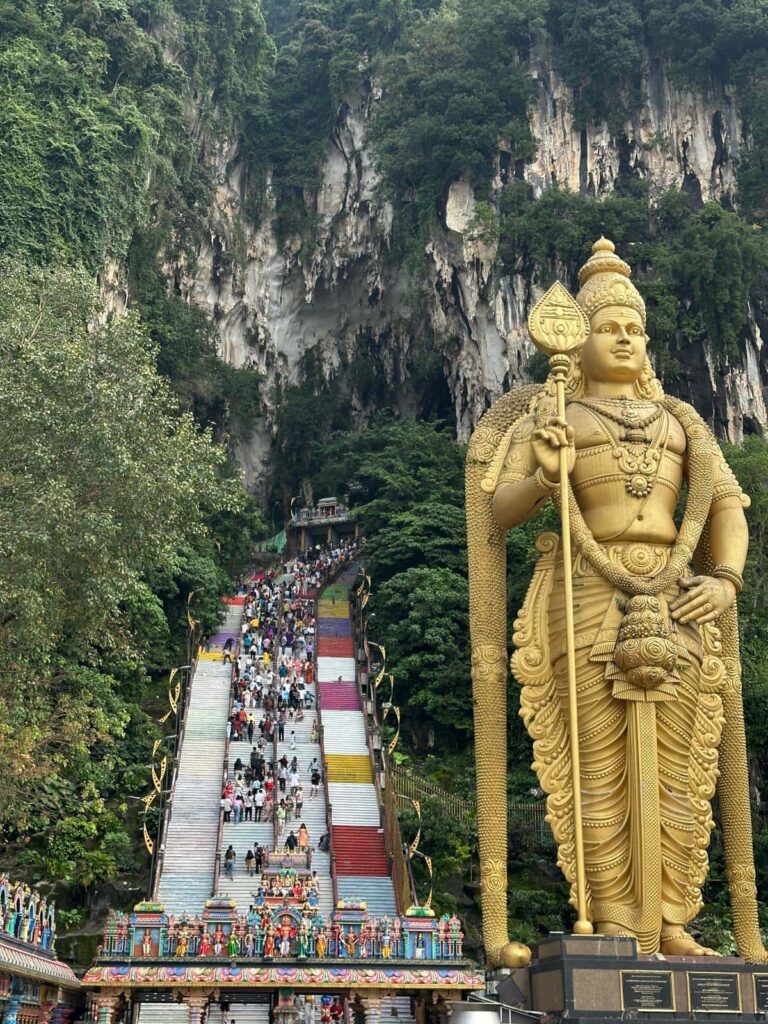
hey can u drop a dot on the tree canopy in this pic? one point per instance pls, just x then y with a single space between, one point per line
109 513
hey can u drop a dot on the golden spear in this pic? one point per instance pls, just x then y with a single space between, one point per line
559 327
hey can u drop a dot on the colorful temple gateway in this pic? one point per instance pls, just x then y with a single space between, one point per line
278 929
35 987
280 942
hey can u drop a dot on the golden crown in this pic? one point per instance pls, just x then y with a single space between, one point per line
604 281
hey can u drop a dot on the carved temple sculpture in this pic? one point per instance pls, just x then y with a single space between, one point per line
638 625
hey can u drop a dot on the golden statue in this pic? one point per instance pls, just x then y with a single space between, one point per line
646 644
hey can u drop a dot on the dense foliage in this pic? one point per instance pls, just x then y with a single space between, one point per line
709 255
114 509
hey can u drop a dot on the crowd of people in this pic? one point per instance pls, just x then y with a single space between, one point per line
261 791
274 671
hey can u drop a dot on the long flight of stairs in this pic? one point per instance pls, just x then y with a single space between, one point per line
190 840
357 839
313 813
242 835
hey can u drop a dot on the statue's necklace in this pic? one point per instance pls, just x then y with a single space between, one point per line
625 414
637 458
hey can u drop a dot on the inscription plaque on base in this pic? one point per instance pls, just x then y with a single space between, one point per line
714 993
761 992
647 990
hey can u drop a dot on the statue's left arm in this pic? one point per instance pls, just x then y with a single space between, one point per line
721 554
706 598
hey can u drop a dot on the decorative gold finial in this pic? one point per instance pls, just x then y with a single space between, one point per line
557 323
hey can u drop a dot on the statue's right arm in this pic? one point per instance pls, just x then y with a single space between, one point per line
519 494
517 502
530 468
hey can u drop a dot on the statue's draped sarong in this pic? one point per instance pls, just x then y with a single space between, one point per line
648 757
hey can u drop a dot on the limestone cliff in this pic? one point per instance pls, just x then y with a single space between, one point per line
272 302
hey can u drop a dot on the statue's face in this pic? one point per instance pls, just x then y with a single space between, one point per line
615 348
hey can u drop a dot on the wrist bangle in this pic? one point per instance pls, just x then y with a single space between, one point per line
726 572
544 482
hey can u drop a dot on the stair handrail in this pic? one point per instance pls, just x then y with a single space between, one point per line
411 786
328 804
275 784
167 806
402 877
225 767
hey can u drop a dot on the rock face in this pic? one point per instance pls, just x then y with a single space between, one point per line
273 302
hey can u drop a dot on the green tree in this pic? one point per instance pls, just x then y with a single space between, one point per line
422 616
427 534
107 489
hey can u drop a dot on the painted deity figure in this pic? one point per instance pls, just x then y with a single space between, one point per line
218 941
269 943
396 937
204 948
303 947
321 943
146 943
655 637
18 912
285 938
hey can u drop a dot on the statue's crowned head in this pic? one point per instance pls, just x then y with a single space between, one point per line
616 347
605 281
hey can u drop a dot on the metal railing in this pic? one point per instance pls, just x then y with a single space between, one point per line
315 515
225 773
166 811
528 817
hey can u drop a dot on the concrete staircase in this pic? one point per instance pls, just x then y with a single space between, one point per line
362 864
240 1013
163 1013
377 893
186 881
314 813
177 1013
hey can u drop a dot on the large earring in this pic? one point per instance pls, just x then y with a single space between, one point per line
574 383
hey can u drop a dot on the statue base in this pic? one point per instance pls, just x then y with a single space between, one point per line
595 979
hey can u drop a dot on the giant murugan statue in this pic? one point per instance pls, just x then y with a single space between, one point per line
638 625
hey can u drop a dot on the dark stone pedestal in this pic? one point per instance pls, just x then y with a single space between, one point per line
599 979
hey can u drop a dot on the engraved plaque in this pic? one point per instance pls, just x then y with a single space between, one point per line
647 990
761 992
714 993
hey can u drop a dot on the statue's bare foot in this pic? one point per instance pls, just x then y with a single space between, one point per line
610 928
679 943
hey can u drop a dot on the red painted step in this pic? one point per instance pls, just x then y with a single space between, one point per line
359 850
335 647
339 697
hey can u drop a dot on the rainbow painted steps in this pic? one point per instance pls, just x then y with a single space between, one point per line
363 870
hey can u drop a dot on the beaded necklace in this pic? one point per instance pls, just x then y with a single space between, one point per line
638 459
